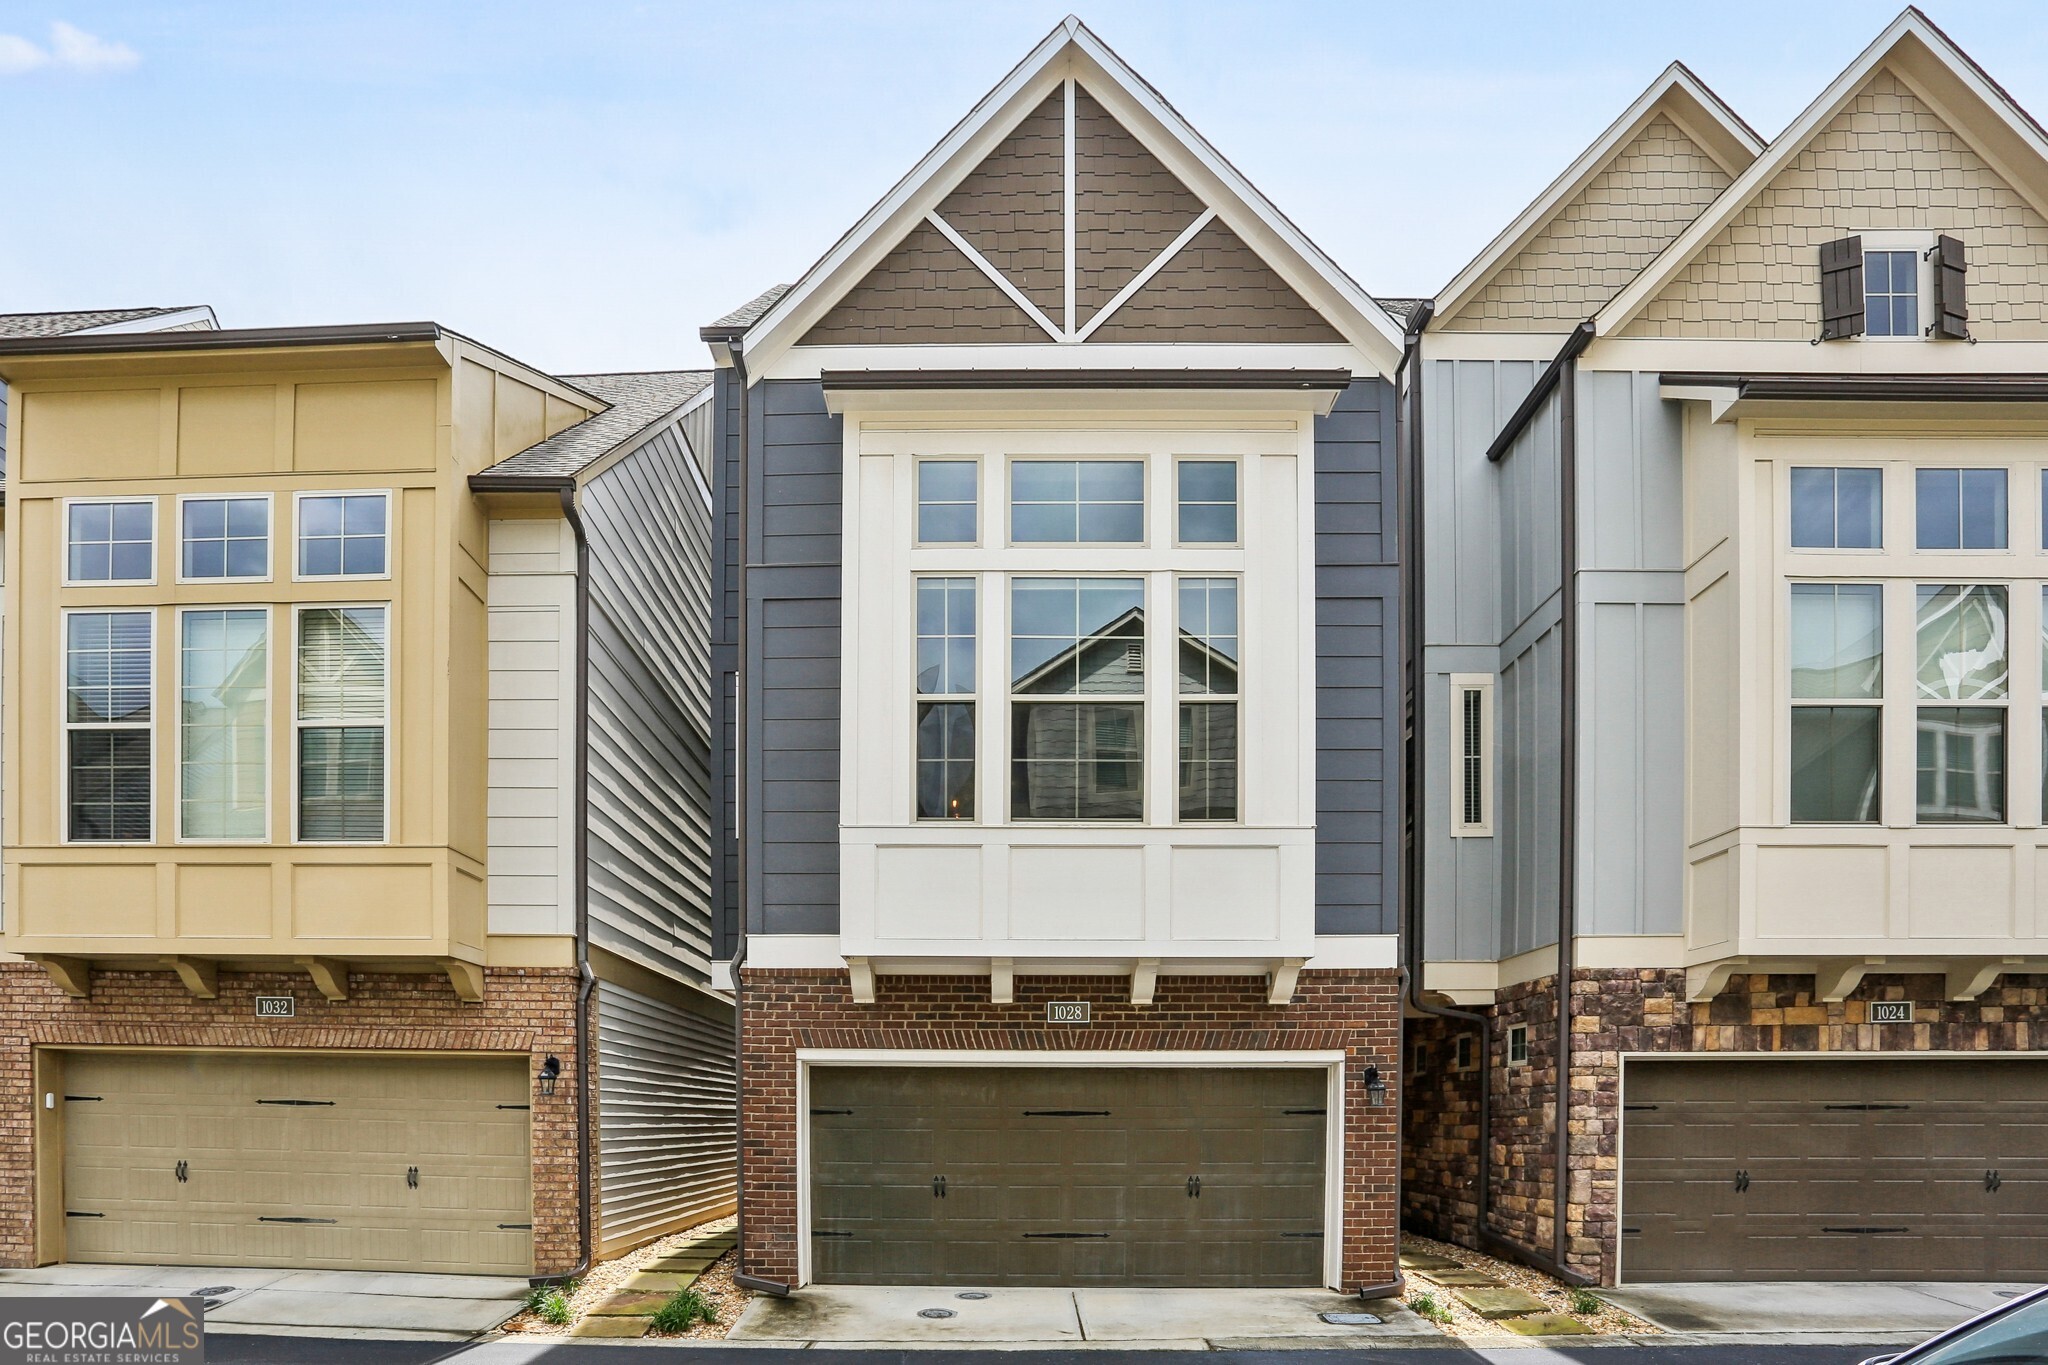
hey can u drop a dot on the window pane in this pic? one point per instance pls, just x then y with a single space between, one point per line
208 518
1813 508
1208 760
945 636
109 786
1086 501
226 538
1937 509
945 523
1112 523
1208 501
107 667
1077 761
1835 764
1837 638
945 761
341 784
1982 493
1054 521
945 501
342 534
224 704
362 515
341 664
1208 636
1071 635
362 554
1044 481
1961 764
1859 509
1208 481
109 542
1961 641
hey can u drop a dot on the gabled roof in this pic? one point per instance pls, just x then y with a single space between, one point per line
1976 107
638 401
195 316
1676 94
1071 49
746 315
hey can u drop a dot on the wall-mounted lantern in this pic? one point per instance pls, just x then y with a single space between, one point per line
1375 1088
551 1070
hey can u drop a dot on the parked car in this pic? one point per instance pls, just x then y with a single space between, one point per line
2011 1334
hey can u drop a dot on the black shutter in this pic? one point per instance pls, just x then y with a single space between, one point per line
1841 288
1951 310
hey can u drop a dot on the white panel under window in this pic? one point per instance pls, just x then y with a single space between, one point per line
1471 754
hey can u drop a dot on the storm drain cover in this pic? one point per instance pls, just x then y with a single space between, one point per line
209 1304
1352 1319
972 1294
935 1312
213 1289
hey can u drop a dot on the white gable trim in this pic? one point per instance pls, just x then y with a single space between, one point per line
1144 277
1910 28
995 276
1068 53
1658 98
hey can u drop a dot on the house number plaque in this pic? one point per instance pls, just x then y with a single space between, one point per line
276 1006
1891 1011
1066 1011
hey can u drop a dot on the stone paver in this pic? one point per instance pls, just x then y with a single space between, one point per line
691 1265
1426 1261
630 1303
1546 1325
1499 1302
1472 1279
665 1281
595 1326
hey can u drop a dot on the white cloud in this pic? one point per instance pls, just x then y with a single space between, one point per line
71 49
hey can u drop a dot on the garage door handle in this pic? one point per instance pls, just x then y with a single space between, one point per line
938 1187
1194 1187
1992 1180
1741 1182
182 1171
412 1177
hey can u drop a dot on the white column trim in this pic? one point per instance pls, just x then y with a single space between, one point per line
995 276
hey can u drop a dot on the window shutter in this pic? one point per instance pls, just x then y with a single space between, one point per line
1841 288
1951 310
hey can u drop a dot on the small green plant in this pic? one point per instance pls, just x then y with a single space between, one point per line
1429 1306
684 1307
1585 1302
554 1307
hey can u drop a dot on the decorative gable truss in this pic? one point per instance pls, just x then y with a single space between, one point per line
1048 219
1913 142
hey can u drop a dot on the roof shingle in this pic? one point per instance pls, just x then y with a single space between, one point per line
637 401
59 324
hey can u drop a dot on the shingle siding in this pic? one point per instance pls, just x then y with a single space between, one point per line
926 290
1601 238
1216 289
1012 206
1127 207
1886 161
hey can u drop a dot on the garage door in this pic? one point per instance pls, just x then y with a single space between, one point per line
1001 1176
1826 1170
345 1163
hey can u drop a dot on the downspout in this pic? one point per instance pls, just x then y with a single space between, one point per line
735 348
1567 784
586 979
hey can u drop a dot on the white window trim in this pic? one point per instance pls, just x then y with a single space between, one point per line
1179 698
298 522
1463 684
66 725
269 724
1147 538
1237 464
1920 242
972 697
269 502
1508 1047
917 503
299 609
64 577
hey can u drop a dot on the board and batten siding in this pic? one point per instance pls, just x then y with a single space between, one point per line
647 517
531 749
666 1101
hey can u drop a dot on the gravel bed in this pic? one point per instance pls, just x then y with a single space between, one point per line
606 1277
1609 1321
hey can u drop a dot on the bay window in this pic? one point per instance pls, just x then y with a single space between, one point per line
341 721
1077 711
1837 654
223 723
945 698
109 726
1207 683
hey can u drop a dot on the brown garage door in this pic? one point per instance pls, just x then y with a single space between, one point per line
1835 1170
1002 1176
349 1163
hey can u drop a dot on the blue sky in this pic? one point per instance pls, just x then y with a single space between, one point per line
582 184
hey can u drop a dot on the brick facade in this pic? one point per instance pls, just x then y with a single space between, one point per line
524 1011
1616 1013
1358 1012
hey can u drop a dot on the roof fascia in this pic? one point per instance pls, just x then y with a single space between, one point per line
878 231
1705 117
155 322
1922 54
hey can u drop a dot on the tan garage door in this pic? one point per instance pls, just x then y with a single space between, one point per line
1045 1176
349 1163
1884 1169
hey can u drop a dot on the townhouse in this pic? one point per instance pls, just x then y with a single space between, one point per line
1057 643
357 791
1729 952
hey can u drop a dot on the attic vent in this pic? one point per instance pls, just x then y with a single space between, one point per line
1134 657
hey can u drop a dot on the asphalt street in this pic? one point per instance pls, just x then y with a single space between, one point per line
255 1350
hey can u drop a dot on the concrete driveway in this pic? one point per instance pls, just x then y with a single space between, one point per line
1915 1310
324 1303
1185 1319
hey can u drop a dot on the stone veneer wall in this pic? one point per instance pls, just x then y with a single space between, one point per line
524 1010
1440 1143
1621 1012
1357 1012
